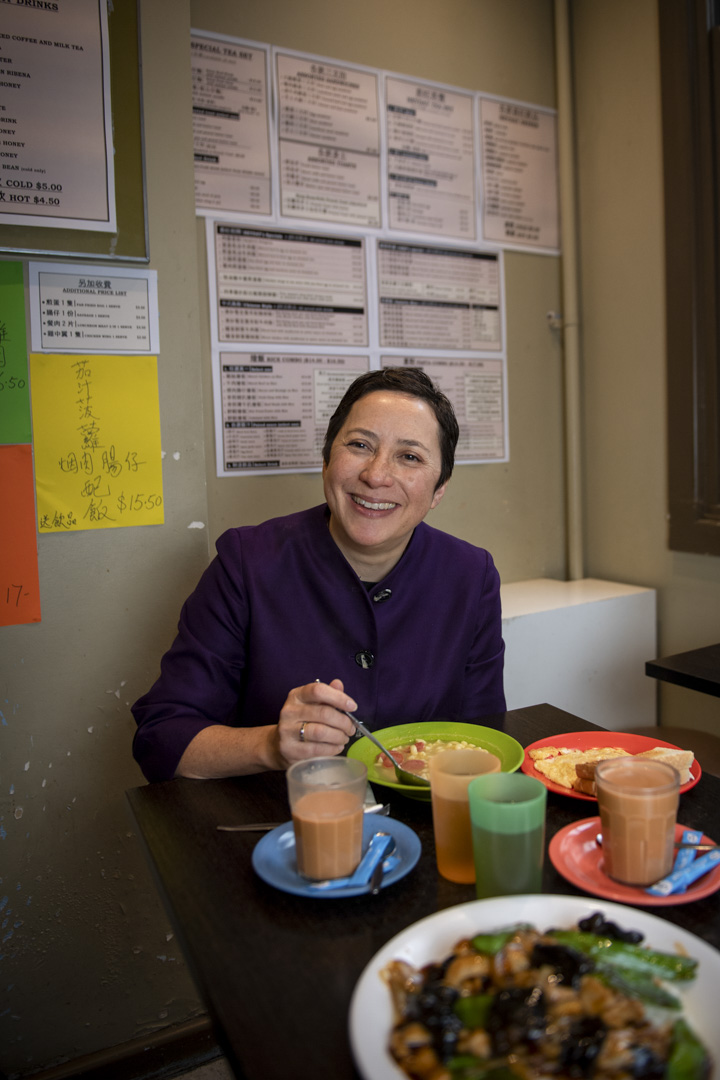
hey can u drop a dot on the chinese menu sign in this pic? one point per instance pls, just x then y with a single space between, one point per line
98 459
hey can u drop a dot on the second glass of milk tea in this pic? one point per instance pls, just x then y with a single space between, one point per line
638 802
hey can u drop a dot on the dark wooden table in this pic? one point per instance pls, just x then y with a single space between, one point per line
277 971
697 669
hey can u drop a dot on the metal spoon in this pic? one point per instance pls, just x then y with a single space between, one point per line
267 826
403 775
381 845
678 844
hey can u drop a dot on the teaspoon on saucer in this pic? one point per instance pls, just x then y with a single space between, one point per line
381 845
678 844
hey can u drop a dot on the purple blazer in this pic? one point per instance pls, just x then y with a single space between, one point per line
280 606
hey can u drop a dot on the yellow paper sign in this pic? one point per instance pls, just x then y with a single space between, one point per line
98 458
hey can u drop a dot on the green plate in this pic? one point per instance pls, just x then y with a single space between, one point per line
509 750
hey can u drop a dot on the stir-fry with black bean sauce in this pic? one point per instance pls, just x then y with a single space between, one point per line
522 1005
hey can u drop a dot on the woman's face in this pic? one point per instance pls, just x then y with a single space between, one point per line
380 480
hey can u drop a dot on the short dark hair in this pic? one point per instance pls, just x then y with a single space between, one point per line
411 381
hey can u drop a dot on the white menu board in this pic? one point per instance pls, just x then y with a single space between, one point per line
289 288
476 388
274 408
430 159
56 154
93 309
438 297
328 141
519 169
231 134
359 221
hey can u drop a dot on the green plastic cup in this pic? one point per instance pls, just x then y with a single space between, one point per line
507 811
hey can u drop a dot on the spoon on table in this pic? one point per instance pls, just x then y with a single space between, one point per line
403 775
382 810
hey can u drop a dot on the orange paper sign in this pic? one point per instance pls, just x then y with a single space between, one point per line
19 583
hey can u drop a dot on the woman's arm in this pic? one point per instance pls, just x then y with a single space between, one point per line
312 710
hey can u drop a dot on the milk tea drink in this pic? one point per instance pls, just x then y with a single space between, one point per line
638 801
326 799
328 833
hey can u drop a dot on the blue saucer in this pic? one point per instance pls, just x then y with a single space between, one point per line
273 858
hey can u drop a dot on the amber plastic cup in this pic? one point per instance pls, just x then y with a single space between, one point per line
638 802
326 799
451 772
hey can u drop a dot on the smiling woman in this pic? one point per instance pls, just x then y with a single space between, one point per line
382 478
361 591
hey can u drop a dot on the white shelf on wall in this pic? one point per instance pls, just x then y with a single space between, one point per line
581 645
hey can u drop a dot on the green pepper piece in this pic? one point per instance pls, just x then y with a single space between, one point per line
467 1067
689 1060
633 985
493 943
631 958
473 1011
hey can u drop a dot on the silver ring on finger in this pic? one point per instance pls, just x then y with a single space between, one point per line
301 733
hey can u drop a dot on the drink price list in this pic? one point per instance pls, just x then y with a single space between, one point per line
231 136
276 407
328 142
289 288
438 298
56 154
430 159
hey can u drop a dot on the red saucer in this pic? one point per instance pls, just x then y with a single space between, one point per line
576 855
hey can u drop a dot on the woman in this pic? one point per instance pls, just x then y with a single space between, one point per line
356 605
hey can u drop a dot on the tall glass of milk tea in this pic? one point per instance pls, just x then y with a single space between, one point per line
326 799
638 802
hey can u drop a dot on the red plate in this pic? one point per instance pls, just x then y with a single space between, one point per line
575 854
588 740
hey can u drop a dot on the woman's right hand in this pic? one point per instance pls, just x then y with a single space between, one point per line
312 724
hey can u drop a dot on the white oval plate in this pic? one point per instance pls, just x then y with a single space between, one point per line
432 938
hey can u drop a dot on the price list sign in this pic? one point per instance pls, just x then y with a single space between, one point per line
289 288
438 298
519 155
98 459
231 136
56 160
276 408
91 309
431 159
328 142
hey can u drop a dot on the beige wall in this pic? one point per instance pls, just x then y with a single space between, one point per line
623 310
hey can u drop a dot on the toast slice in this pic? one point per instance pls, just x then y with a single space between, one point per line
679 759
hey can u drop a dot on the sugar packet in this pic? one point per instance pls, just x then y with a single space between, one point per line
686 855
685 876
